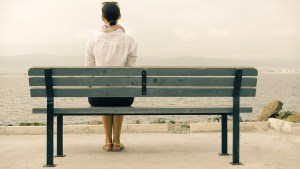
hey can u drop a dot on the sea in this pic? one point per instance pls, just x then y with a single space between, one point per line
16 104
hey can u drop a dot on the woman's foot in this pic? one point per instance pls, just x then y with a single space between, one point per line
108 147
117 147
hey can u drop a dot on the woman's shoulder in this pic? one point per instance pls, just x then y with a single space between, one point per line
130 38
94 35
121 36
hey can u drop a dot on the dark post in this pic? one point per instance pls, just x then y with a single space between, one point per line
50 117
224 151
60 136
144 82
236 118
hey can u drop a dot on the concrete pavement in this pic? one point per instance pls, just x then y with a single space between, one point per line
153 151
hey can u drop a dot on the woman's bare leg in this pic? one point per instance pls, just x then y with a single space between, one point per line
107 124
117 126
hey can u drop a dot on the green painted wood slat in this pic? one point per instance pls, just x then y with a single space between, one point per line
137 81
136 92
142 110
136 71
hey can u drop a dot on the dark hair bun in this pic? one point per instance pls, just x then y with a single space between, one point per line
112 22
111 12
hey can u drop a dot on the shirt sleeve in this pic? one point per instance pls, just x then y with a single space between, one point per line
89 56
131 59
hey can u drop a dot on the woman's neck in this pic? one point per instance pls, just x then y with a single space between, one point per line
111 28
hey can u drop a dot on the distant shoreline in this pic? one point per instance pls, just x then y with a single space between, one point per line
25 74
281 72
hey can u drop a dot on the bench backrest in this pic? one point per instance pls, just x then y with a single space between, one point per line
141 81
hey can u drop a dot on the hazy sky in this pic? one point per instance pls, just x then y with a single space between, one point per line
245 29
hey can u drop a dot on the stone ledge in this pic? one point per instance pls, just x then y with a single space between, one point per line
276 124
82 129
284 126
216 127
135 128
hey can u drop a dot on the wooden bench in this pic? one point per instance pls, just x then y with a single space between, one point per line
51 82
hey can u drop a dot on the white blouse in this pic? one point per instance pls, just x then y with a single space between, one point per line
111 49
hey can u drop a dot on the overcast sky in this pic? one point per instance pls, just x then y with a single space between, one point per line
239 29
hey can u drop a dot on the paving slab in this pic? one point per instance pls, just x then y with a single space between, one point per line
259 150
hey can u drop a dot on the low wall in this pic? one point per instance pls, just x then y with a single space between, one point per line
278 125
284 126
133 128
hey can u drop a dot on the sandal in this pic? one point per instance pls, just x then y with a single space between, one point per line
117 147
107 147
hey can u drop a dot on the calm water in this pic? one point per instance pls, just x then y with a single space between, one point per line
16 103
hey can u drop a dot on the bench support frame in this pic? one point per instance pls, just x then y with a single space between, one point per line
235 94
224 146
60 136
236 118
144 82
50 117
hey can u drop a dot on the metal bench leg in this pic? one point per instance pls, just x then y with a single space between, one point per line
60 136
236 140
50 117
236 119
49 137
224 151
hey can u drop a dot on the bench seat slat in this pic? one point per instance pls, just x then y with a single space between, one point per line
143 110
136 92
136 81
136 71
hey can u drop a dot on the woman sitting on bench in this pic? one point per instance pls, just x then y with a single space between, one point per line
110 46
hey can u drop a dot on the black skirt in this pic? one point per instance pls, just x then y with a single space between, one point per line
110 101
